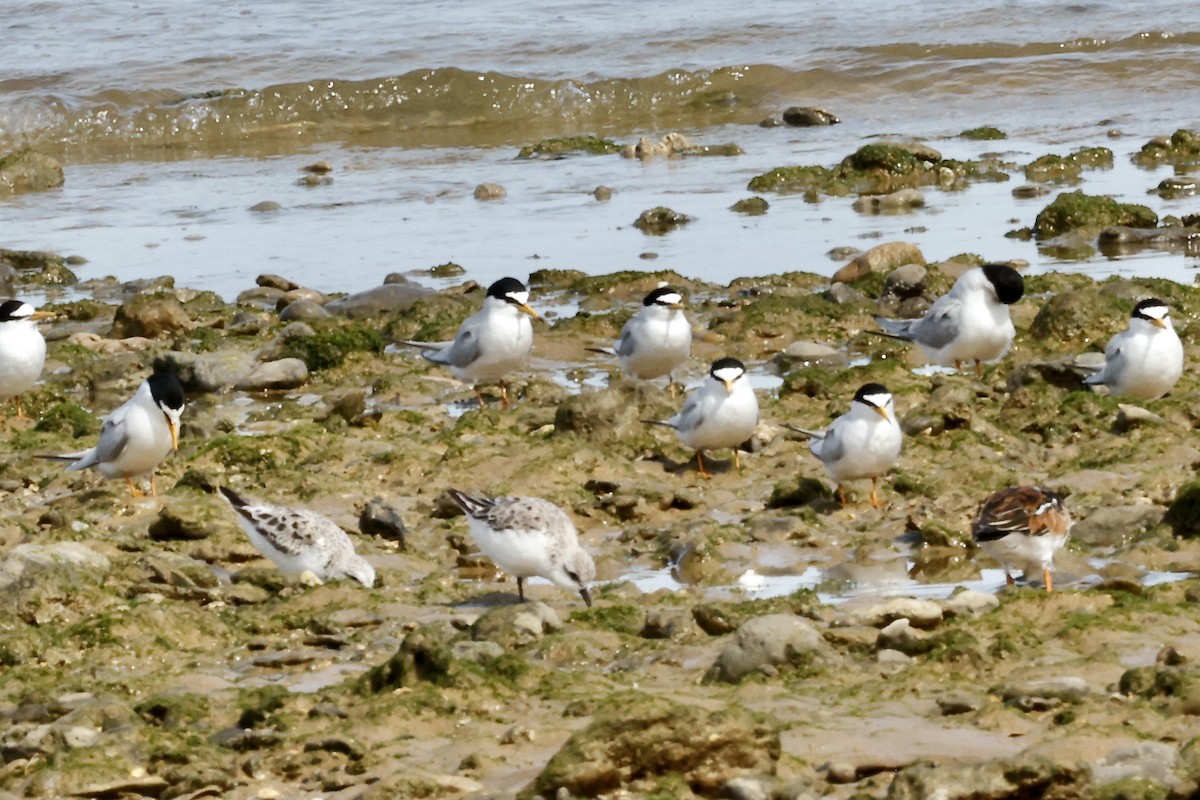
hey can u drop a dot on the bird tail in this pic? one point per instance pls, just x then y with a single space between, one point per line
83 459
659 422
422 345
235 499
472 505
805 431
894 328
605 351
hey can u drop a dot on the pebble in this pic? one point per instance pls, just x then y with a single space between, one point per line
285 373
490 191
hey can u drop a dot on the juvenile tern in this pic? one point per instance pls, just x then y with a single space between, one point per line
1023 526
22 350
723 412
491 342
527 537
137 436
657 339
969 323
1145 360
300 542
862 443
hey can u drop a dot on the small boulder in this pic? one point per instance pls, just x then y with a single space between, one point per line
150 315
29 171
769 641
808 116
391 298
881 258
282 374
516 625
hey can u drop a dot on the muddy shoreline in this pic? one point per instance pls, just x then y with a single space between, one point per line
148 650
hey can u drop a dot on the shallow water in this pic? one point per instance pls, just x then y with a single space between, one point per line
175 119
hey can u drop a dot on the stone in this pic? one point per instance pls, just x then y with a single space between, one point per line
970 603
1146 761
378 518
33 569
805 354
1116 526
490 191
954 703
900 635
265 207
881 258
516 625
609 415
808 116
208 372
150 315
391 298
188 516
648 736
906 281
660 220
303 310
261 297
602 194
899 200
1045 693
1130 416
272 281
476 652
282 374
29 171
844 294
749 787
998 779
923 614
769 641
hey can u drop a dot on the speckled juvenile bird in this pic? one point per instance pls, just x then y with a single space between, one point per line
137 436
969 323
655 340
528 537
22 350
299 542
862 443
723 412
490 343
1023 526
1145 360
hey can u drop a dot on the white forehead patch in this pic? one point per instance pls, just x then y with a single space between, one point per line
1155 312
25 310
878 400
729 374
520 298
669 299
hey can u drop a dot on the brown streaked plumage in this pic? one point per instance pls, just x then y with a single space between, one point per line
1023 525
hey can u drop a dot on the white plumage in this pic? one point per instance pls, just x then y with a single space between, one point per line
1145 360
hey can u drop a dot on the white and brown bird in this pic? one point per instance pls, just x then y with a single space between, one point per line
657 339
299 542
1145 360
969 323
490 343
862 443
137 436
1023 526
723 412
22 350
529 537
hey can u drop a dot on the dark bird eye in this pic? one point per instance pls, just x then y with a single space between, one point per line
572 576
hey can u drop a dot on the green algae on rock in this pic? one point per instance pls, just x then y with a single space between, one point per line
592 145
1072 211
986 133
29 171
1052 167
1181 149
660 220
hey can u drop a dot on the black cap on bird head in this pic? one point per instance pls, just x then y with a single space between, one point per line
1008 283
732 368
13 309
1151 309
504 288
663 296
166 390
872 394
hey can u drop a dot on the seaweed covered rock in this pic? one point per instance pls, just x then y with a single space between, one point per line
29 171
1072 211
1181 149
1004 779
638 738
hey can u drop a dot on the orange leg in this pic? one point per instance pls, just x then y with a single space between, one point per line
1008 578
978 369
503 395
875 501
841 493
134 490
700 465
737 460
1048 578
957 365
20 413
479 397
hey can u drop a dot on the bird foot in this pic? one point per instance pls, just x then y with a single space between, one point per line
309 578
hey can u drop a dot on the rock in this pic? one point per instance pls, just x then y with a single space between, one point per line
1046 693
490 191
423 657
923 614
749 787
1000 779
1028 191
516 625
635 735
1071 211
1131 416
899 200
266 297
391 298
272 281
29 171
881 258
845 294
1145 761
378 518
750 206
714 620
808 116
900 635
476 652
970 603
906 281
771 640
1184 514
806 354
1116 526
660 220
664 625
32 569
602 194
284 373
303 310
606 416
954 703
265 207
208 372
150 315
189 516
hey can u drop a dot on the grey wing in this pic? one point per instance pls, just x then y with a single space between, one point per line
830 447
691 416
939 327
1114 361
463 350
113 438
291 532
624 346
